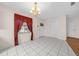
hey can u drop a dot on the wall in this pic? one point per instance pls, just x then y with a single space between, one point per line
7 26
55 27
6 29
35 27
73 27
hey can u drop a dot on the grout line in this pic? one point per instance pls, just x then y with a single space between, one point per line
60 48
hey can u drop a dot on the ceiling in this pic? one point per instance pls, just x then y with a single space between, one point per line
48 9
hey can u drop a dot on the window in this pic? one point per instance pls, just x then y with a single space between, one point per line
24 28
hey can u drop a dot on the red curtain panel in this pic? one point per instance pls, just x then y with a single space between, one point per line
18 22
29 24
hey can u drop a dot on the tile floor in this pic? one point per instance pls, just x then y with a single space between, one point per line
44 46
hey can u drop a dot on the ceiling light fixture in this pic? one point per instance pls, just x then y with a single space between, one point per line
35 9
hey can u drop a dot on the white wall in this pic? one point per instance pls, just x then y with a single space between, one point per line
35 27
6 29
7 26
55 27
73 27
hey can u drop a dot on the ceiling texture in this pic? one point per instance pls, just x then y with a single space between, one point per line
48 9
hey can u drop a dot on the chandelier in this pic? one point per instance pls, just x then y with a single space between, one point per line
35 9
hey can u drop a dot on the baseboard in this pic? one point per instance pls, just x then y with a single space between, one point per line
72 37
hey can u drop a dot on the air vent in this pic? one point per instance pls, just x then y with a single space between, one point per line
72 3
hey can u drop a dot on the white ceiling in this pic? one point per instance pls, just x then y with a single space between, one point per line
48 9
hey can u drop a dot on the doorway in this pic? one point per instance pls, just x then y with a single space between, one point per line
18 22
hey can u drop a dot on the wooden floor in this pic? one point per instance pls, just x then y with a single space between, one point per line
74 44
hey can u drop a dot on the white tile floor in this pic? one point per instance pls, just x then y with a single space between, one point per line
44 46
